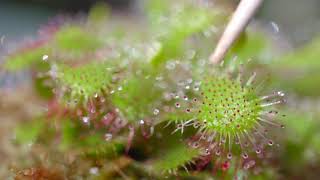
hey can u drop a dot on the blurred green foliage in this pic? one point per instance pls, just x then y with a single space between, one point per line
124 72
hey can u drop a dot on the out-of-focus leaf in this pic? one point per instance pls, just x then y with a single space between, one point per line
170 152
84 81
299 71
137 96
25 59
42 89
300 127
174 157
69 134
91 145
104 150
98 13
173 25
307 57
76 40
315 142
28 132
303 82
250 45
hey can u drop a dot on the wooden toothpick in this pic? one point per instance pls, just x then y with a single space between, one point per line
240 19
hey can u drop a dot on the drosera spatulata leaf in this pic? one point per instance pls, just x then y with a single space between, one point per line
175 157
227 111
79 84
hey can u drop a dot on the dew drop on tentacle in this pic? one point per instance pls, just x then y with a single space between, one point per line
45 57
273 95
177 105
176 96
107 136
86 120
270 142
218 152
258 150
94 170
281 93
156 111
245 155
268 96
207 151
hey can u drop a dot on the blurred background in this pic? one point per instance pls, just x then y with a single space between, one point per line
294 23
298 21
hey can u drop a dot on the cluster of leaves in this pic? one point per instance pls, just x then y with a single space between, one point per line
114 86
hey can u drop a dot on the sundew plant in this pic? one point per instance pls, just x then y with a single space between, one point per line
137 98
